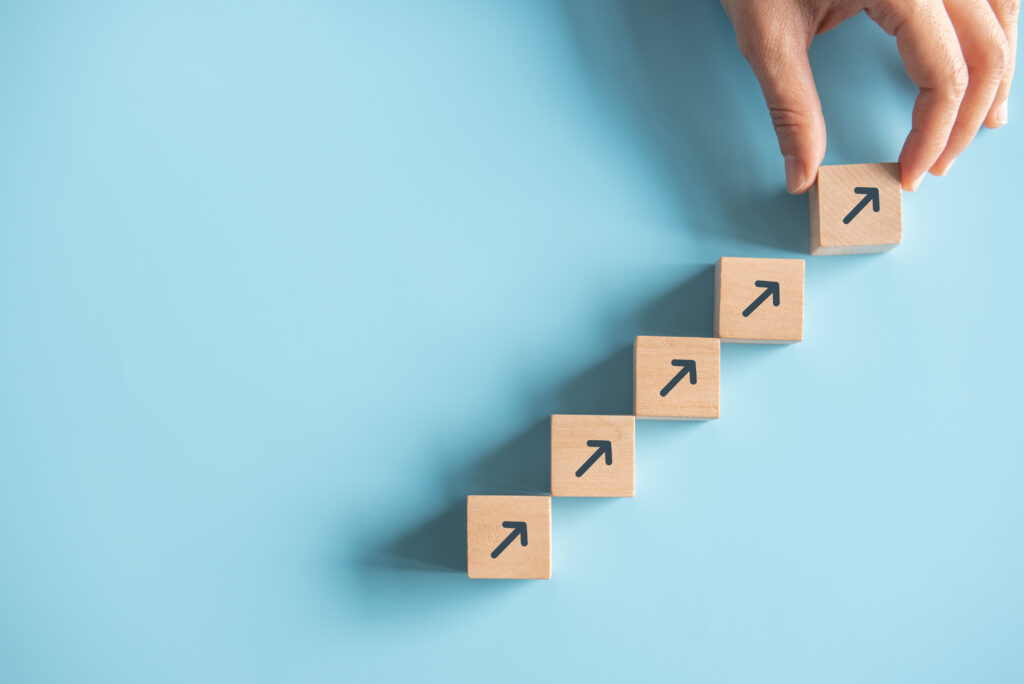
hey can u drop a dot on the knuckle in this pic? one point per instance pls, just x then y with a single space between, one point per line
957 79
755 41
787 119
892 16
1007 8
998 56
761 34
914 8
750 46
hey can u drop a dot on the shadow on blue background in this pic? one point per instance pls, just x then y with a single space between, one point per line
281 283
663 67
522 464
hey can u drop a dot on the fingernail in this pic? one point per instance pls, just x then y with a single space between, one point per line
796 176
1001 113
944 170
917 183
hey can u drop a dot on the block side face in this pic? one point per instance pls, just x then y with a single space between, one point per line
853 249
847 217
557 421
581 448
677 377
772 310
740 340
813 214
636 368
486 534
718 298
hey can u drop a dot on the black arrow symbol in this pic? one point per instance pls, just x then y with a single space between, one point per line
518 530
604 447
771 289
687 366
870 195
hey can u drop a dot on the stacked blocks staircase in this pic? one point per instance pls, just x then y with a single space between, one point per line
854 209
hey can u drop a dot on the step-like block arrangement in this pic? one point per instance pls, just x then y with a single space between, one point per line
676 377
759 300
756 300
508 537
856 209
592 455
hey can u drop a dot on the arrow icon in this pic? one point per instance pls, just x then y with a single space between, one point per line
687 366
771 289
870 195
604 447
518 530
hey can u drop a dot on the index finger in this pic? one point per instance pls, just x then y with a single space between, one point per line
931 53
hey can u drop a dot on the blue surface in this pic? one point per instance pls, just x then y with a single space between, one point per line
282 282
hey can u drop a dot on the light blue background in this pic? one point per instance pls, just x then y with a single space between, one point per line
282 282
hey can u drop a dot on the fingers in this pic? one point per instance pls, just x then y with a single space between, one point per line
1006 12
931 54
960 56
778 55
986 53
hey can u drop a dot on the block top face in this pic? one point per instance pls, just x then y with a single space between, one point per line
508 537
759 300
592 455
856 208
676 377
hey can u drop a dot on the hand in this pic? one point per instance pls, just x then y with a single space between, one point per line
960 53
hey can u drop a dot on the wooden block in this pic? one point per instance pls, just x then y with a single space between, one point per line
592 455
508 537
676 377
759 300
856 209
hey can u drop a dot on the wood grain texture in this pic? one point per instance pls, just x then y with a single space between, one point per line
833 197
485 516
736 290
654 370
570 452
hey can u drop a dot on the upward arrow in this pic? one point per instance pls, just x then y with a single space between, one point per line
687 367
518 530
870 195
771 289
604 448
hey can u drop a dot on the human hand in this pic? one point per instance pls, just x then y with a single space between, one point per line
960 53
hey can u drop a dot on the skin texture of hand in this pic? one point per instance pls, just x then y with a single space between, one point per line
960 53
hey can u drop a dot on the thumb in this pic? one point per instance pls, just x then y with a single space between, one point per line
781 66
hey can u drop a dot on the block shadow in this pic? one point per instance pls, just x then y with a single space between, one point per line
671 73
436 545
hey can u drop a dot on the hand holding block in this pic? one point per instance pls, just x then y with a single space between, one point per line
856 209
676 377
592 455
508 537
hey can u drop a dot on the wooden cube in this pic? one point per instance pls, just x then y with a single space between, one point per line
759 300
592 455
508 537
856 209
676 377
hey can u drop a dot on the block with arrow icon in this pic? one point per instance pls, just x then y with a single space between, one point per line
676 377
856 209
508 537
592 455
759 300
